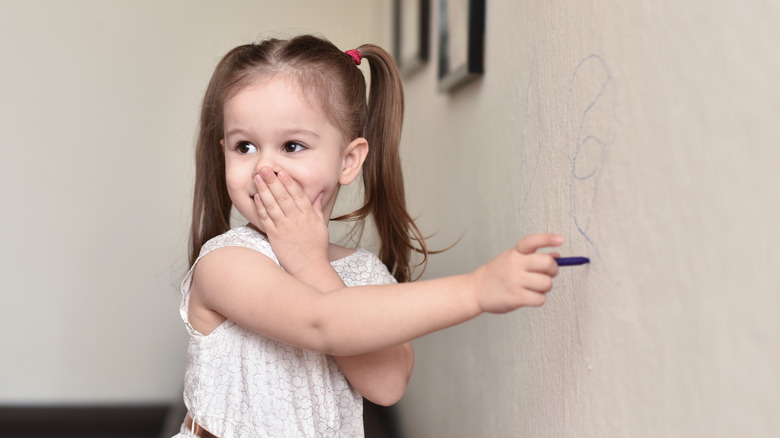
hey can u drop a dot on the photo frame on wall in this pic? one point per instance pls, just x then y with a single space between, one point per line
411 34
461 42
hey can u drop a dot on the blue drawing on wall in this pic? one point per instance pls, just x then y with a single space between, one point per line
592 111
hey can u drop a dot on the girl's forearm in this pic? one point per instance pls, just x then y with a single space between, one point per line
361 319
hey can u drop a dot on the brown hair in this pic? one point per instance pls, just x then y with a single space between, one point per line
331 76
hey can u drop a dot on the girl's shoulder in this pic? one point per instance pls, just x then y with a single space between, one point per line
243 236
362 267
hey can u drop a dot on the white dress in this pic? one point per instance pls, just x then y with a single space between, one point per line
241 384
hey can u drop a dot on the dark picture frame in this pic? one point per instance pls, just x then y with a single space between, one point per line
411 20
461 42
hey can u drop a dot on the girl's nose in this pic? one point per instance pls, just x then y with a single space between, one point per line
269 162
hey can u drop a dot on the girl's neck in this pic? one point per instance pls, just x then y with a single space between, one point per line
335 252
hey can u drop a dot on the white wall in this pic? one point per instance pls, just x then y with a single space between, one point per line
98 113
672 331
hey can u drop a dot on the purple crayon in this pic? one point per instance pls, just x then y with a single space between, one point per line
572 261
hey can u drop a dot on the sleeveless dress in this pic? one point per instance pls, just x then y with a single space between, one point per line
239 383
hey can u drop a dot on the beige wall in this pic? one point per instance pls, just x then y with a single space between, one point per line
98 112
657 158
644 132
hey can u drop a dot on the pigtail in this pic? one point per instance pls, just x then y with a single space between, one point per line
385 197
211 205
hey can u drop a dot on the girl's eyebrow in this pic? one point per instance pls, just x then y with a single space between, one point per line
235 131
292 132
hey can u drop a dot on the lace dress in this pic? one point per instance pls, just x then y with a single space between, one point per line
241 384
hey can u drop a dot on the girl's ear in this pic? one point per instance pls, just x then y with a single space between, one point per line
354 156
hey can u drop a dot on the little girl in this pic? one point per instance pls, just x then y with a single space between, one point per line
288 331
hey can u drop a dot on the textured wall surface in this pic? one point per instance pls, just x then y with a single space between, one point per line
646 133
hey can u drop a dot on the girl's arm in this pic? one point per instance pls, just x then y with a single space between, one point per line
298 234
250 289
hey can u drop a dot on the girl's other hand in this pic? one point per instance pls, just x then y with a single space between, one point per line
295 226
519 276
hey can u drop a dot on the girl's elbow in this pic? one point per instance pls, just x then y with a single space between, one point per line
389 394
392 388
395 383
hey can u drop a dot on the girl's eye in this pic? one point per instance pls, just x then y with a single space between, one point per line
292 146
246 147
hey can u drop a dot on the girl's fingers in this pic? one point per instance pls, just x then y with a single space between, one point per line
261 211
284 193
540 283
299 199
317 205
533 242
266 201
534 299
542 263
281 195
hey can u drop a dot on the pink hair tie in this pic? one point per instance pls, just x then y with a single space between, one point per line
356 55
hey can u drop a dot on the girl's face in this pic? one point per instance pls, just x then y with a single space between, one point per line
270 124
